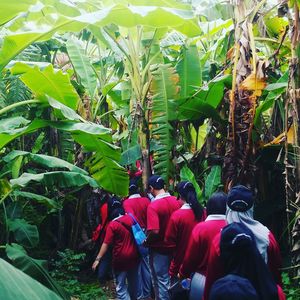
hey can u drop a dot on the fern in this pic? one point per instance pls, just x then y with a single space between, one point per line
165 91
12 90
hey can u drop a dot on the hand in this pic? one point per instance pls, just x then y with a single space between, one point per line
95 265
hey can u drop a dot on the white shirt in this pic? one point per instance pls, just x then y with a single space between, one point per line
185 206
162 195
134 196
215 217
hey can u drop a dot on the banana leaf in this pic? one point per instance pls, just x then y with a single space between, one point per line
14 284
35 268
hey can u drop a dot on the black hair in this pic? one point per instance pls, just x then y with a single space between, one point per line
116 212
216 204
114 205
240 256
187 192
133 187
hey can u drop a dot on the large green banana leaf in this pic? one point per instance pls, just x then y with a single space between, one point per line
275 90
56 84
163 111
82 66
189 71
14 284
120 14
61 179
103 165
25 233
8 135
35 268
50 203
213 181
10 9
205 102
44 160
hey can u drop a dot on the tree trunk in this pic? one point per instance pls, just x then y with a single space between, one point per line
247 83
144 141
292 123
77 220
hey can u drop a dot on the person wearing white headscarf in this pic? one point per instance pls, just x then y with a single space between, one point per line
240 209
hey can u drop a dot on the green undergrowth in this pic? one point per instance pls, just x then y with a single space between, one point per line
291 287
66 269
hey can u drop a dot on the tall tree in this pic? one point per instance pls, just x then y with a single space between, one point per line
248 74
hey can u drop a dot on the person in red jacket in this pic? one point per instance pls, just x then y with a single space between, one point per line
125 253
195 261
240 209
181 225
158 214
238 255
137 206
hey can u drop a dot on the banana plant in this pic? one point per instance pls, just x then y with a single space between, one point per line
247 84
55 90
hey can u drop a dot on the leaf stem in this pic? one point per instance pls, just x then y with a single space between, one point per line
12 106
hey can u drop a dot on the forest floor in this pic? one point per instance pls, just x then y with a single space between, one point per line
73 272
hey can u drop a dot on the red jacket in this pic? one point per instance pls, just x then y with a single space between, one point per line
215 269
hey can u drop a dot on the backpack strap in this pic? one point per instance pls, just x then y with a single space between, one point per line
133 218
124 225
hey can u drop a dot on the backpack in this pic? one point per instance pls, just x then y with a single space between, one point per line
138 235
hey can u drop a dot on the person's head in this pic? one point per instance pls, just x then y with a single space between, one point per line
240 256
240 198
115 208
240 209
216 204
233 287
187 193
133 187
236 246
156 185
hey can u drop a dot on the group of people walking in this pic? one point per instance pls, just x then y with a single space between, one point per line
221 250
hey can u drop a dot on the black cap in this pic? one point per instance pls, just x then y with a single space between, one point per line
233 287
156 182
240 198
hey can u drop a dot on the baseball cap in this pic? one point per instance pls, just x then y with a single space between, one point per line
156 182
240 198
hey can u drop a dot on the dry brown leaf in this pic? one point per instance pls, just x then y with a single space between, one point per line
229 54
281 137
291 135
252 83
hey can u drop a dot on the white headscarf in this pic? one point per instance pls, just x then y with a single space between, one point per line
260 231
